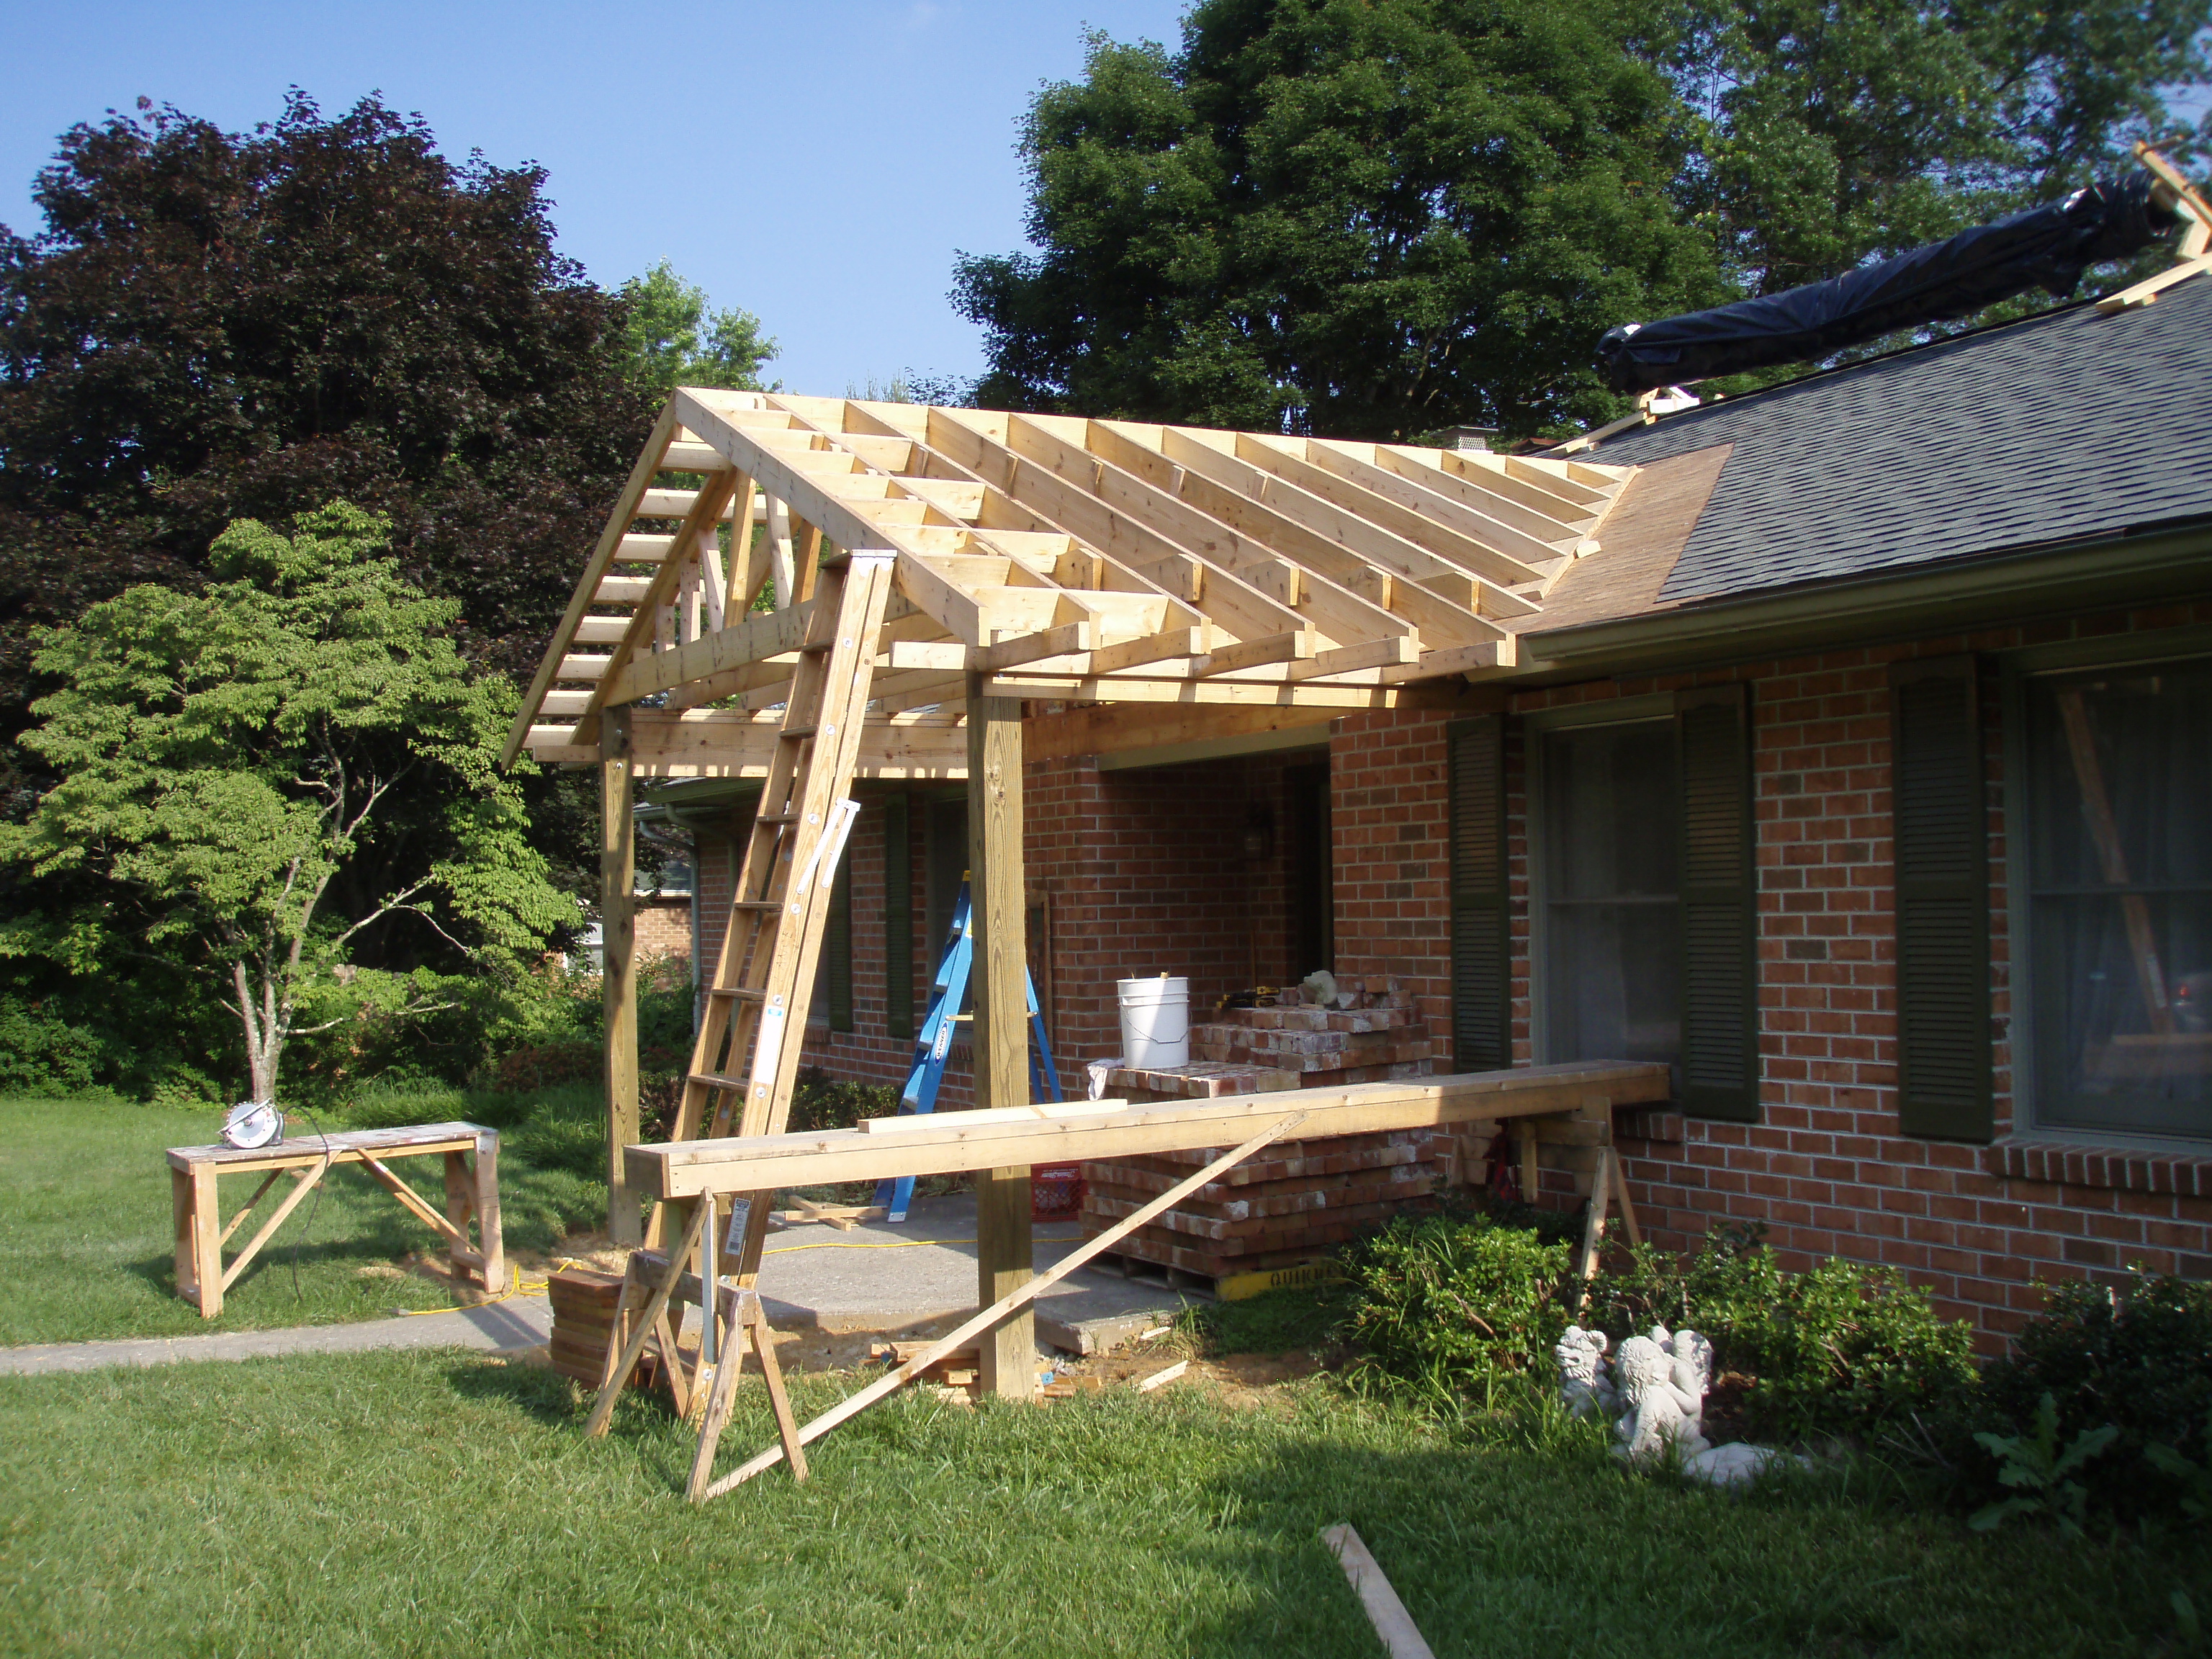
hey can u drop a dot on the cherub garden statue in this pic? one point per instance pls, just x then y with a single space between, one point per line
1658 1409
1584 1385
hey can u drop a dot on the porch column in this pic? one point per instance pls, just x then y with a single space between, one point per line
1000 1032
617 937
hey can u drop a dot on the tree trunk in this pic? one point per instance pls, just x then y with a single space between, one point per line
264 1041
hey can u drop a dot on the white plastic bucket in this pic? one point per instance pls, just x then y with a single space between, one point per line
1154 1022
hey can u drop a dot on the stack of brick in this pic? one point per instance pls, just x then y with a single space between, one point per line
1294 1045
1286 1203
1292 1201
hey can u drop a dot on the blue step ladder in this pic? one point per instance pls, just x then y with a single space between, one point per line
948 992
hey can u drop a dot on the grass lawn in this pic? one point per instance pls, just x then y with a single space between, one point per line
412 1502
86 1249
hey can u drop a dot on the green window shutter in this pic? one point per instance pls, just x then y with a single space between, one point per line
1482 934
837 948
1719 900
1939 820
898 918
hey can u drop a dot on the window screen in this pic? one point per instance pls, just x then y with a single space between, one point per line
2120 898
1613 954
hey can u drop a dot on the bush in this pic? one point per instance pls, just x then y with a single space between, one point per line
821 1101
1469 1307
42 1054
1456 1307
2137 1357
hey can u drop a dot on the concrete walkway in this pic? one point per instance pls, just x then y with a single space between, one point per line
872 1278
520 1322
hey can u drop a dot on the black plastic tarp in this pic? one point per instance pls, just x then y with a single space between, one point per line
2047 247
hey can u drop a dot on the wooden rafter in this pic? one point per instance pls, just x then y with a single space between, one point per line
1059 557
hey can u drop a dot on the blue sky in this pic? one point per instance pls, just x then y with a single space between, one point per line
816 164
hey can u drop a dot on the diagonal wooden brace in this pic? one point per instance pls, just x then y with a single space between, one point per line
1004 1306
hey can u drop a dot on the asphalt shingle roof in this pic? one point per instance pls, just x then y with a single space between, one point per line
2066 425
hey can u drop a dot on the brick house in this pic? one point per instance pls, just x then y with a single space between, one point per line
1866 778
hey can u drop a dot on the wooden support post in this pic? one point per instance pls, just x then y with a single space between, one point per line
490 1234
617 937
1003 1260
207 1242
185 1221
1524 1134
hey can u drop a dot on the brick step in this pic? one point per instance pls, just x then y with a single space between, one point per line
1310 1233
1296 1197
1303 1064
1285 1159
1215 1261
1261 1232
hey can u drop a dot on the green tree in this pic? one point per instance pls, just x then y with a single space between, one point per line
1834 130
1377 217
217 325
261 775
1359 218
670 337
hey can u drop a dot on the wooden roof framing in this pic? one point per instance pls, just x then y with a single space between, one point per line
1057 557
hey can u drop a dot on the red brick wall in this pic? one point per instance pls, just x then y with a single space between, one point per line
1825 1167
1387 783
664 927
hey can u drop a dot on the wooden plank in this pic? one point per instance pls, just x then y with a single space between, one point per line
990 1116
733 742
618 976
414 1202
1110 729
1000 1032
1325 561
1016 1300
1110 471
595 568
758 636
1508 551
1344 531
678 1169
1393 1625
1112 688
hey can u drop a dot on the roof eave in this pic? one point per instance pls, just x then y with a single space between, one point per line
2159 562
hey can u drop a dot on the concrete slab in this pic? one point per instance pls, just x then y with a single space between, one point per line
886 1277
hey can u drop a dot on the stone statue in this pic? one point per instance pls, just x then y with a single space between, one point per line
1658 1411
1584 1386
1692 1374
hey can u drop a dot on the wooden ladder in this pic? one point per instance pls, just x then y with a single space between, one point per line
745 1060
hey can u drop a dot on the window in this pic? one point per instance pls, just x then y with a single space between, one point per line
1608 818
2118 900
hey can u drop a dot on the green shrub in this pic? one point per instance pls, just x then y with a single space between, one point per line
1848 1349
1457 1306
1843 1349
42 1054
1463 1305
2136 1357
821 1101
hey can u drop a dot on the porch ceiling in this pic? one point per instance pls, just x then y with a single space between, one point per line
1057 557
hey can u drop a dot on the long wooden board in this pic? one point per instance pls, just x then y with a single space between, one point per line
681 1169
